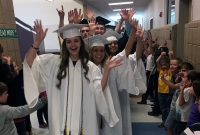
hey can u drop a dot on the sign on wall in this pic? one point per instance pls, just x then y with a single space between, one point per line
8 33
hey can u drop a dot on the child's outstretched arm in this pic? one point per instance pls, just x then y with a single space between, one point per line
22 111
170 84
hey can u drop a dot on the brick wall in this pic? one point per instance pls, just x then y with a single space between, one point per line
192 44
164 34
7 20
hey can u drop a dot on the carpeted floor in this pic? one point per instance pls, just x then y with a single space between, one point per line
147 128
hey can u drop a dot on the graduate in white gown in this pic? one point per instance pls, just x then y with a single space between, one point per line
75 86
128 80
98 56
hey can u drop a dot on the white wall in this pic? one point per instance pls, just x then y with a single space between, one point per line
29 10
195 14
152 11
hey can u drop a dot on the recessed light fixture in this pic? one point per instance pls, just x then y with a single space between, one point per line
49 0
120 3
120 9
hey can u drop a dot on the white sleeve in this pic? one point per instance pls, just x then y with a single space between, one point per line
103 99
35 77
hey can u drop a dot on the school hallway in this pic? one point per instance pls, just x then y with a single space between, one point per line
142 123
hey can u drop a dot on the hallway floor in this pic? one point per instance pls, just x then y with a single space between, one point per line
138 113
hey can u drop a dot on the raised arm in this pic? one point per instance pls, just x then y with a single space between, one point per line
139 35
22 111
77 16
158 59
110 64
89 14
61 14
40 35
129 44
6 58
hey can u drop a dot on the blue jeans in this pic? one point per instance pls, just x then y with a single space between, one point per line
163 101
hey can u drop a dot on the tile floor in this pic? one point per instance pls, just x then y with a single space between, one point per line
138 113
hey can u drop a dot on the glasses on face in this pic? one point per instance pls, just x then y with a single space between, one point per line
82 31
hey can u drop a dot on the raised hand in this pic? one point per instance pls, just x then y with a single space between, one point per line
89 14
71 16
61 12
171 53
40 33
113 63
124 15
92 24
140 31
131 12
77 16
6 58
133 23
163 53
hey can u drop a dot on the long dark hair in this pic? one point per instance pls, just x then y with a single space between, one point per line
83 55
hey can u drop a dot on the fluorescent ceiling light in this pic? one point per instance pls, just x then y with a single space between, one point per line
172 5
50 0
120 3
120 9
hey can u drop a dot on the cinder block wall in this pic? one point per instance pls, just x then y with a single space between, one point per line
192 44
164 34
7 20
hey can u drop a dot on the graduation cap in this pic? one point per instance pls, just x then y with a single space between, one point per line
112 27
97 40
111 35
101 20
71 30
84 21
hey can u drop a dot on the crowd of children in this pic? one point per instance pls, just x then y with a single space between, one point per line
176 88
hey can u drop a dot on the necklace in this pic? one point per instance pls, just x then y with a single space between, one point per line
66 128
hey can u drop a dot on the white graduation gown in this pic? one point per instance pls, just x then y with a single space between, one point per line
121 82
94 99
135 71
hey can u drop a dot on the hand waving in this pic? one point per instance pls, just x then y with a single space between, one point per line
71 16
131 12
40 33
124 15
6 58
89 14
140 32
133 23
92 24
61 12
77 16
113 63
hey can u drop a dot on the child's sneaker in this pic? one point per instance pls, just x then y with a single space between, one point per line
43 125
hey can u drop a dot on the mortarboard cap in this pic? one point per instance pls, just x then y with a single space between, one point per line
112 27
111 35
70 30
84 21
101 20
97 40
